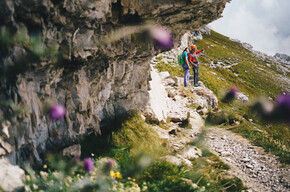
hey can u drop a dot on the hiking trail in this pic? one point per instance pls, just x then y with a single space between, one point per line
259 171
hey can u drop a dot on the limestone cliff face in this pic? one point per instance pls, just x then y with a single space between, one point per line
97 73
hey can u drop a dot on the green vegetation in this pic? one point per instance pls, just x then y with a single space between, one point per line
250 75
137 149
174 70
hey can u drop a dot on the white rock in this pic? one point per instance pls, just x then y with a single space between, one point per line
10 176
225 154
172 159
228 159
191 152
195 121
242 97
185 161
249 166
164 75
157 108
245 160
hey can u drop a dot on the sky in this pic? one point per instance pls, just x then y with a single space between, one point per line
265 24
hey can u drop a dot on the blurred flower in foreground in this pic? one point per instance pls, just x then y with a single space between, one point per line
89 164
263 108
57 112
278 112
281 111
110 164
230 95
116 174
162 37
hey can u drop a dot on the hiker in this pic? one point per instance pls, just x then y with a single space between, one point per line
192 58
185 66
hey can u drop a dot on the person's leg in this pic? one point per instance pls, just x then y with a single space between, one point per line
186 76
196 75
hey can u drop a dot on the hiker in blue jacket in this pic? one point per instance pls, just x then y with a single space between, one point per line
185 66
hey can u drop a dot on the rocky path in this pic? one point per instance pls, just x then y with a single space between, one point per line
259 171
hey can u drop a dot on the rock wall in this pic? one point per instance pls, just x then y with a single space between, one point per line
102 66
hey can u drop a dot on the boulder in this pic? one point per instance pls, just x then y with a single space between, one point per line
172 159
191 152
73 151
179 160
195 121
10 176
204 98
242 97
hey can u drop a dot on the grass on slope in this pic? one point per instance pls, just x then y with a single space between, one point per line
131 137
251 76
254 78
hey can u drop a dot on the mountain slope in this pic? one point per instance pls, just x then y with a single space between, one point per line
228 64
252 74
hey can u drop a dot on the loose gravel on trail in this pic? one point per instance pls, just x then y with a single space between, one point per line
260 171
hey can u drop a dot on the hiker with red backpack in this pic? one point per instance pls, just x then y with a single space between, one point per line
192 59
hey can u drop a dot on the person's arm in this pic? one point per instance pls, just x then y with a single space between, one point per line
186 61
197 52
192 60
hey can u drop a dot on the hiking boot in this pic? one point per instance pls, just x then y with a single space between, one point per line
196 85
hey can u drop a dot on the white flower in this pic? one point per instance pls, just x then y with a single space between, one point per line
202 188
43 175
194 185
34 186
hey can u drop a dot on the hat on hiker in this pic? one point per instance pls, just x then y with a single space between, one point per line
185 48
192 47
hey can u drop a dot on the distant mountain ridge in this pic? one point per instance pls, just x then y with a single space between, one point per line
282 57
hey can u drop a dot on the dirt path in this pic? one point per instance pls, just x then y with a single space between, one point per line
259 171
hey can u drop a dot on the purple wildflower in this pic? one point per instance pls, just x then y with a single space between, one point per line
230 95
162 37
57 112
89 164
284 100
282 108
233 91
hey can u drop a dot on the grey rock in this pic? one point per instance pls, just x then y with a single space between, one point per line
72 151
283 58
